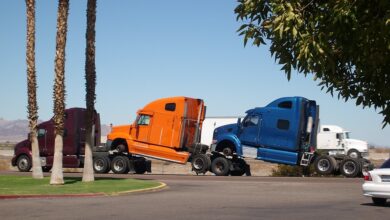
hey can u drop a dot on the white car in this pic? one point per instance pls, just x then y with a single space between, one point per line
377 184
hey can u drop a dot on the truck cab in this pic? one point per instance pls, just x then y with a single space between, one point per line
74 142
335 140
165 129
282 132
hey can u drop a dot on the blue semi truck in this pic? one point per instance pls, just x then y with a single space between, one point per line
282 132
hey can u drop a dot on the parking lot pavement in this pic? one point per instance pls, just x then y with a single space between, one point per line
210 197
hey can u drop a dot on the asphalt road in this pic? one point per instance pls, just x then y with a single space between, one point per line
210 197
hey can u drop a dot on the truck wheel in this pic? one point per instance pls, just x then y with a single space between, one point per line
101 164
24 163
350 167
220 166
200 163
120 165
379 201
240 168
354 154
227 151
325 165
121 148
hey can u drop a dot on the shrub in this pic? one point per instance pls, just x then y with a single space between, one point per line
286 170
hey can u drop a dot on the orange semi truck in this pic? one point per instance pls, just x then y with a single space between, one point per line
167 129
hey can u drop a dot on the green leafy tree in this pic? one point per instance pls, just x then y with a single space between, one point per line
345 44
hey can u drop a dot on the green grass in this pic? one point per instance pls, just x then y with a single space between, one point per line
22 185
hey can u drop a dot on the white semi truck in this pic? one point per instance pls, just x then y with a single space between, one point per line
336 141
211 123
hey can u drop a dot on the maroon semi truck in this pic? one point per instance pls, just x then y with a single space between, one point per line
74 146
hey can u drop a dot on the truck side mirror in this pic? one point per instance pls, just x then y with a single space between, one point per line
239 124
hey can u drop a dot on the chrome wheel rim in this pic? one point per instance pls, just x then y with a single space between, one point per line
99 164
219 166
353 154
349 167
119 165
198 164
23 163
323 165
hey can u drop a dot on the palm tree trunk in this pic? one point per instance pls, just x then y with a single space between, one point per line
32 90
90 76
57 176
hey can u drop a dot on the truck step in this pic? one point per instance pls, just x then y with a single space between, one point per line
306 159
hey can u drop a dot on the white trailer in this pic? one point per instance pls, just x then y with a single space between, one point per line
336 141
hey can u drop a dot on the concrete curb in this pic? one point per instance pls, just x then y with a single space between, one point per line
153 189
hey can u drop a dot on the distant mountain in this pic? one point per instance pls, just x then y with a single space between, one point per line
13 131
17 130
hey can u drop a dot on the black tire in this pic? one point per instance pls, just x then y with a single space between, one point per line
24 163
46 169
121 148
200 163
354 154
325 165
379 201
350 167
228 151
220 166
101 164
120 165
240 168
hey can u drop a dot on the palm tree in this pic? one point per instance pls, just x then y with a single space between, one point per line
90 76
57 176
32 90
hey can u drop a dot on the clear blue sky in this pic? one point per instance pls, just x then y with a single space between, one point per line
151 49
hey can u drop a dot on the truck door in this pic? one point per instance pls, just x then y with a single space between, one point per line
49 139
249 134
143 128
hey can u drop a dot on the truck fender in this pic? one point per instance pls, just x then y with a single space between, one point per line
229 139
121 137
21 151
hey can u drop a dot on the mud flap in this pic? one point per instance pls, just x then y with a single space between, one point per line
148 164
248 170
